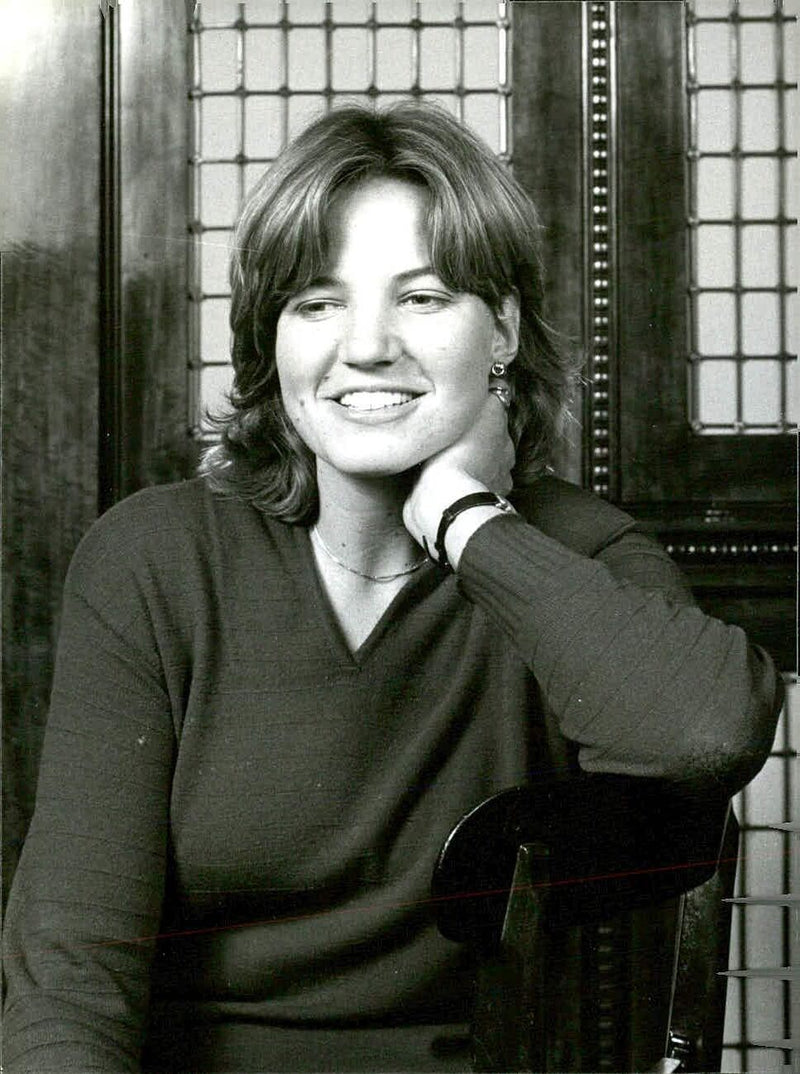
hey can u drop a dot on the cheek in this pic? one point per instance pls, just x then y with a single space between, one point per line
295 407
474 342
466 366
289 369
291 396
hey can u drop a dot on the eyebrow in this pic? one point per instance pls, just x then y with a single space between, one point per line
425 270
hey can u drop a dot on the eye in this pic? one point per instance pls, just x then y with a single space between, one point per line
314 309
426 301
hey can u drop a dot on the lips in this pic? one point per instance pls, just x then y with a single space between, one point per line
374 400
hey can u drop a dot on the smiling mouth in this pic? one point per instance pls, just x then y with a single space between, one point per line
374 400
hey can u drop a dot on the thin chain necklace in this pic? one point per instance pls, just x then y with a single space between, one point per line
316 537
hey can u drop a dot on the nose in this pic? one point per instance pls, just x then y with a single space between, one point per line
370 336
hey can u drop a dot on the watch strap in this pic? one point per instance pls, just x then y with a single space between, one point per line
474 499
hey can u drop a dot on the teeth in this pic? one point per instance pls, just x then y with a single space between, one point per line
374 400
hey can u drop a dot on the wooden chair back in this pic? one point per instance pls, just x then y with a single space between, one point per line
595 907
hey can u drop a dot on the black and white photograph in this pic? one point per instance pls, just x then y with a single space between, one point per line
399 413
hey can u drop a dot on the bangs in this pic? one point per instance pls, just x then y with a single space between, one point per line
465 258
297 247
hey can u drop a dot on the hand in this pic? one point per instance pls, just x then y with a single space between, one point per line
480 460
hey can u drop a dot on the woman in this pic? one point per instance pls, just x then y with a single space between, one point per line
280 684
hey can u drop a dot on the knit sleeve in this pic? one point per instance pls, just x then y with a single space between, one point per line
86 899
634 673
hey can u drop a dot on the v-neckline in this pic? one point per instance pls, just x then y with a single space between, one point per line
356 658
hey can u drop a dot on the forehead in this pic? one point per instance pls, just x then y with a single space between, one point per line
380 222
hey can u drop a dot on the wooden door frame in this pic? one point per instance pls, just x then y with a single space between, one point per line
50 315
94 247
144 412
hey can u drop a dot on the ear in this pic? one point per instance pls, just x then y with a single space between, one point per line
506 334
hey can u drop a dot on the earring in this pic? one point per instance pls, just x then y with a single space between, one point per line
498 369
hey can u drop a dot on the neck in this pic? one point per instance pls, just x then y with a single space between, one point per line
361 520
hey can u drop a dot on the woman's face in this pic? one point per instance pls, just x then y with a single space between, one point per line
381 366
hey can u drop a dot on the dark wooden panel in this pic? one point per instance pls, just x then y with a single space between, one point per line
50 329
651 249
153 204
547 160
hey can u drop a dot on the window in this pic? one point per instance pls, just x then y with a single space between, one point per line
743 181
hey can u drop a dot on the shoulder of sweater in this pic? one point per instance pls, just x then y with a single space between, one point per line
151 510
572 515
187 505
146 524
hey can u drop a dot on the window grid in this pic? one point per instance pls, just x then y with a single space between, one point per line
226 162
740 357
759 1034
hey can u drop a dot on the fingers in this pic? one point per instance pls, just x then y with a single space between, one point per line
483 456
493 453
501 392
500 389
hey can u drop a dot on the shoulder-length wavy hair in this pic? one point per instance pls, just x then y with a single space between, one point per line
483 235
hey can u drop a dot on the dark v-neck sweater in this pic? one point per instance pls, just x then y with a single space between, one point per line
220 771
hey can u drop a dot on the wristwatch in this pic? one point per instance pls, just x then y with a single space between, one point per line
474 499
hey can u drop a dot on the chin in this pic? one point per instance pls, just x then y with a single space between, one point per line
375 467
376 471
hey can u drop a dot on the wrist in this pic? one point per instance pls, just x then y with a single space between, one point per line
461 519
463 528
429 503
